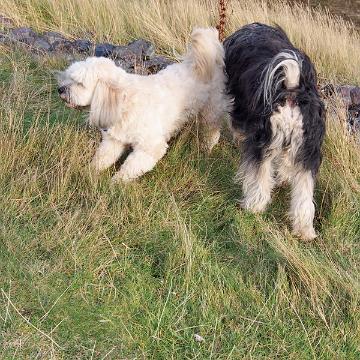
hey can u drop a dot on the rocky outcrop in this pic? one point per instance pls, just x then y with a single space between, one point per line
350 96
137 56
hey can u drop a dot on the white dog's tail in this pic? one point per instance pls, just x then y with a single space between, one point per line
272 78
206 53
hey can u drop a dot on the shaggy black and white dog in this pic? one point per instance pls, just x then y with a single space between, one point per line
279 116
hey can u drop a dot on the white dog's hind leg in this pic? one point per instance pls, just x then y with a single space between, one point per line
302 209
139 162
107 153
258 182
211 119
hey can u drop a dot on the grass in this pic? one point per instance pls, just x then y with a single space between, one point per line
91 270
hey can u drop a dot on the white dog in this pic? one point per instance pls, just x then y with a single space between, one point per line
146 111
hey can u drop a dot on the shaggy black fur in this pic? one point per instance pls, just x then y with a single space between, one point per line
248 52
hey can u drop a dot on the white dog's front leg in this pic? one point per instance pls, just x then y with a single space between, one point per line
107 153
302 209
139 162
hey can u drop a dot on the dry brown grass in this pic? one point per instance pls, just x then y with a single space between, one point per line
331 42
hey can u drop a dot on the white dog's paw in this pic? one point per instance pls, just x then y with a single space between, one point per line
256 206
305 233
122 177
94 167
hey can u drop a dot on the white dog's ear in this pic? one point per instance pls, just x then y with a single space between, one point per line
81 73
58 75
108 105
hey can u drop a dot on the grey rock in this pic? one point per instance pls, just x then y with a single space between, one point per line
126 65
6 22
52 36
41 44
355 96
4 39
157 63
349 94
62 45
104 49
123 53
354 119
23 34
83 46
344 92
142 48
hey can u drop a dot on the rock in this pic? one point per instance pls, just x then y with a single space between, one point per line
104 50
23 34
41 44
4 39
355 96
82 45
62 45
6 22
123 53
344 92
52 36
350 94
353 119
142 48
157 63
126 65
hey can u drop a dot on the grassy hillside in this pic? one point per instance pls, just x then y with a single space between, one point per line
95 271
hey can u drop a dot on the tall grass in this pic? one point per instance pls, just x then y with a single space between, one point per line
91 270
331 42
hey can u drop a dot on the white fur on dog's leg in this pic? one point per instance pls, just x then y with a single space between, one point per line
211 138
302 209
212 115
139 162
258 183
107 153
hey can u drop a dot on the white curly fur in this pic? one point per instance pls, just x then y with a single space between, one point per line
146 111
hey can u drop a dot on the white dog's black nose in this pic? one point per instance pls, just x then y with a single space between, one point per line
61 89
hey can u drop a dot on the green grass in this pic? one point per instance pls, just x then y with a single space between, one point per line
89 270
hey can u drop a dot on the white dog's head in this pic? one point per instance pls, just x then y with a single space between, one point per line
93 83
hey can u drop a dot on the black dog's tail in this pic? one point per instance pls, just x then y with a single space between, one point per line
283 69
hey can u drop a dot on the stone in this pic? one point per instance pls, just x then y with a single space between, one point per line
142 48
52 36
41 44
344 91
23 34
353 118
157 63
125 65
62 45
83 46
6 22
355 96
123 53
104 49
4 39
